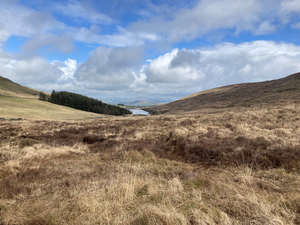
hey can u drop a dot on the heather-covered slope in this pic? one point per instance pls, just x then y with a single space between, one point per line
239 95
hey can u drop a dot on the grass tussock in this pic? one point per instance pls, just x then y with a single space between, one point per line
227 167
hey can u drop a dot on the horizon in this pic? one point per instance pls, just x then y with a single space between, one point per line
152 50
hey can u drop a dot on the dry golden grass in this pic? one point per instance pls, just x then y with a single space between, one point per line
226 167
34 109
9 88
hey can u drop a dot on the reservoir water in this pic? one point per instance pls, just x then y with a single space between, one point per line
139 112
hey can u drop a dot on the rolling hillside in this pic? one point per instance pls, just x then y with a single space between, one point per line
239 95
33 109
17 101
12 89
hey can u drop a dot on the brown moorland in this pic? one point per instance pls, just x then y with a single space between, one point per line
235 166
239 95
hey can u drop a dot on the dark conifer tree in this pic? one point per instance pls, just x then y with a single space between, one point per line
81 102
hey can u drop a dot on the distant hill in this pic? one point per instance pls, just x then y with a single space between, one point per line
238 95
12 89
142 103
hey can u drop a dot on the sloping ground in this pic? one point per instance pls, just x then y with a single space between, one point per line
234 167
9 88
33 109
17 101
239 95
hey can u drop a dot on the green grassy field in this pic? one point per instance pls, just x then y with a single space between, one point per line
32 109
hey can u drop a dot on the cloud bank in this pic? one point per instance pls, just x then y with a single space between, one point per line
119 62
176 73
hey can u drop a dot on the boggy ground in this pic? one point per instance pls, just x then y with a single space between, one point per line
236 166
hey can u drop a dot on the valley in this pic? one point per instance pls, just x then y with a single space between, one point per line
232 165
149 112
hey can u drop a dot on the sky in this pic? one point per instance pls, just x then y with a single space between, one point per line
158 50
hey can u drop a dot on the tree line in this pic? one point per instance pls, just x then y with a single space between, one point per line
84 103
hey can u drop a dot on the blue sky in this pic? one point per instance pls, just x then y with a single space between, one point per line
120 51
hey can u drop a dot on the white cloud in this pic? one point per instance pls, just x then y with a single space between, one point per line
63 43
110 68
43 29
170 25
79 11
39 27
121 69
222 64
288 6
26 22
94 28
251 15
118 71
296 25
39 73
265 28
290 13
31 71
175 67
140 83
122 38
68 70
178 24
182 72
